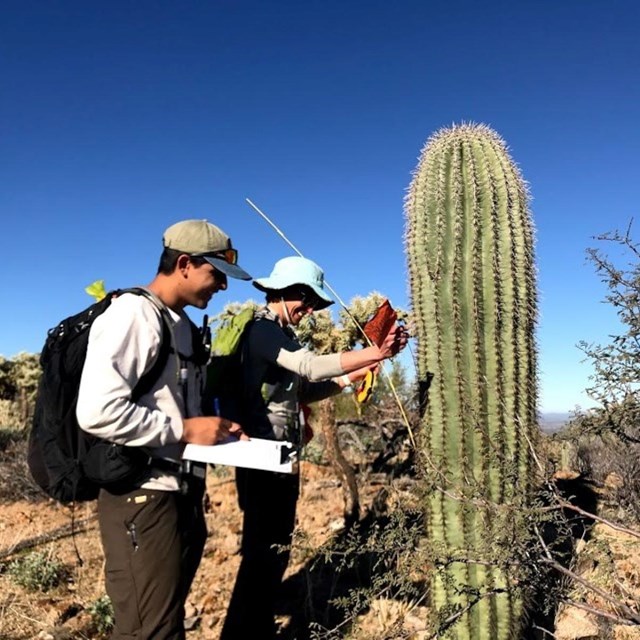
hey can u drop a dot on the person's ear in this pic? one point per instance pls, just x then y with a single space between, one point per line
183 262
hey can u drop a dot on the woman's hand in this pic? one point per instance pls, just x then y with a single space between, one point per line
357 375
395 341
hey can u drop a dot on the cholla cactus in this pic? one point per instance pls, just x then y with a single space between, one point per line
324 335
469 240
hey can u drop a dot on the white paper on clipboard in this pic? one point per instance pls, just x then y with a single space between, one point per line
257 453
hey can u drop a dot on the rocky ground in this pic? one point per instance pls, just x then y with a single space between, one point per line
606 558
64 612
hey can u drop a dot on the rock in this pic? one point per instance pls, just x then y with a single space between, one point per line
576 624
385 616
623 632
415 622
580 546
613 481
336 525
230 544
191 623
213 620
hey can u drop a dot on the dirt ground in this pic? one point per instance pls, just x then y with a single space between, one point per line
609 559
61 613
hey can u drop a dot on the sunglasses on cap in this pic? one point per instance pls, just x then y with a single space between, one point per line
228 255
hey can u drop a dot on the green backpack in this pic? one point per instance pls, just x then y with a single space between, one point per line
223 395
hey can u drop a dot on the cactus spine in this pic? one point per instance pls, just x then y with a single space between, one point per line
469 240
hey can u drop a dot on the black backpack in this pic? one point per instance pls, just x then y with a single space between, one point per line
67 463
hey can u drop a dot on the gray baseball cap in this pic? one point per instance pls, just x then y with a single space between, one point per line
200 238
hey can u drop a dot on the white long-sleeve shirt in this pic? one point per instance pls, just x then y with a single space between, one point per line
124 342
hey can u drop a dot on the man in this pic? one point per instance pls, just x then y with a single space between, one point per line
153 534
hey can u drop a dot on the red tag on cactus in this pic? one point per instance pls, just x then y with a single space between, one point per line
381 323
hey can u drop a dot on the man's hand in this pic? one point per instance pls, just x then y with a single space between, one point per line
210 430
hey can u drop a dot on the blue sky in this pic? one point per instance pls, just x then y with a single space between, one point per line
120 118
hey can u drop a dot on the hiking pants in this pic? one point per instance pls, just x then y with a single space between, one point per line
269 504
153 541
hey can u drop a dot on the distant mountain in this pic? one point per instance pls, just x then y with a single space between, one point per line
551 422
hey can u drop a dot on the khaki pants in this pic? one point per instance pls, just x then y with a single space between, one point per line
153 543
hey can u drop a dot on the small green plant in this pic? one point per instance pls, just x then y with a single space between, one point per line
313 452
37 571
221 472
102 616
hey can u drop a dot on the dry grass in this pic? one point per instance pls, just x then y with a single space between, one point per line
15 483
610 559
24 614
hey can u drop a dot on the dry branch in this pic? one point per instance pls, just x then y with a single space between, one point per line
57 534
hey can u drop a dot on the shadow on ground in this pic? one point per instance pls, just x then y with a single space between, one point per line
308 595
560 536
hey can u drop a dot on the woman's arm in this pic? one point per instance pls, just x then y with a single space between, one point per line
268 340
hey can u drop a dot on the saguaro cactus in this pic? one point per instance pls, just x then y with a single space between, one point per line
469 240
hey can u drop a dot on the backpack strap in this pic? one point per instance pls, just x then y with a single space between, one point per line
200 343
150 377
267 392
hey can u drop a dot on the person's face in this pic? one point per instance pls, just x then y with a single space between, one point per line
202 282
300 303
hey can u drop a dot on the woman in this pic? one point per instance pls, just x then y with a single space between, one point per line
279 375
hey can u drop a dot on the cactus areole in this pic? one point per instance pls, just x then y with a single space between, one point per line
469 242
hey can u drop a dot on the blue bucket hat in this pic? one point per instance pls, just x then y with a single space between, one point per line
296 270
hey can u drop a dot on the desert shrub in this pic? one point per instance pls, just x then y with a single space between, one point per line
37 571
607 438
11 415
608 459
102 616
314 451
19 379
378 558
15 480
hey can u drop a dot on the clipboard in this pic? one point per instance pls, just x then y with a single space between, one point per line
279 456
